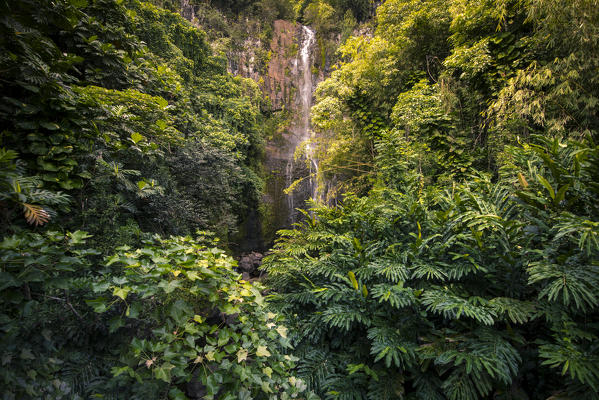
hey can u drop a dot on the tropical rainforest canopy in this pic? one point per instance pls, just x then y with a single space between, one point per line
453 252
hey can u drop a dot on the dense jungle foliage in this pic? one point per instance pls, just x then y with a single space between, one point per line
119 125
458 141
454 254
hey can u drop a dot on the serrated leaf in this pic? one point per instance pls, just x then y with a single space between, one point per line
164 372
26 354
199 319
99 305
169 286
192 275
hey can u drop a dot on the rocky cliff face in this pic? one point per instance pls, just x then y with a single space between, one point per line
287 70
290 85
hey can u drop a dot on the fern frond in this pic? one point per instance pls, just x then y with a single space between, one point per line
519 312
35 215
460 385
387 344
397 296
429 270
566 282
454 307
586 230
579 363
390 270
344 316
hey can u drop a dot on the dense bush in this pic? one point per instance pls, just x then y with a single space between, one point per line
104 99
487 290
457 140
464 264
118 120
172 318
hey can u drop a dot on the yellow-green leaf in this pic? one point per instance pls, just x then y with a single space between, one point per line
192 275
352 278
267 371
199 319
547 185
121 292
262 351
136 137
282 331
242 355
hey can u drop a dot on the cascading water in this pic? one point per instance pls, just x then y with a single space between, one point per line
187 10
301 129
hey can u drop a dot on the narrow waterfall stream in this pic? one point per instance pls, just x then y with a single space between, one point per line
302 133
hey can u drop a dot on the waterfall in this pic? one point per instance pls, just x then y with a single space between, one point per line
187 10
301 129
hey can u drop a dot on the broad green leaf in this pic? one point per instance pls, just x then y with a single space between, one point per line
26 354
99 305
199 319
561 194
51 126
192 275
115 323
265 387
164 372
180 312
176 394
169 286
100 286
78 237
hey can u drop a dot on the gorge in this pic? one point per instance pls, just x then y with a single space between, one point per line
154 156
